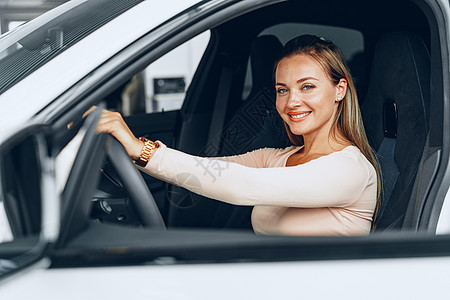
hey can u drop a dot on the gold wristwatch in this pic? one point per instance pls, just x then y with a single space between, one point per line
147 152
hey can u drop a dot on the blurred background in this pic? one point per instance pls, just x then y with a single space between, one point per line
15 12
160 87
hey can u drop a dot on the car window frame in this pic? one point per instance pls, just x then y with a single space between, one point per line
438 13
158 42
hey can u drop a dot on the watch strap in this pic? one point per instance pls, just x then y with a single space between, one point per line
147 152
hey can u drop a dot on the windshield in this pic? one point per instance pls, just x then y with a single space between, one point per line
31 45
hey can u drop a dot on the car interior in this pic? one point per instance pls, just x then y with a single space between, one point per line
393 51
226 113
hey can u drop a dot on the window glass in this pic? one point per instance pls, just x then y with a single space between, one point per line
26 48
350 41
162 85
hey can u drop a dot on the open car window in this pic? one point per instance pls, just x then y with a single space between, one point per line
214 120
162 85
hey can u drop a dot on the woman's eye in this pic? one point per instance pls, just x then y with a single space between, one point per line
308 87
282 91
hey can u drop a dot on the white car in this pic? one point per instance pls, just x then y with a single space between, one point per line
76 224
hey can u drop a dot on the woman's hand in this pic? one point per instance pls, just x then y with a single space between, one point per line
113 123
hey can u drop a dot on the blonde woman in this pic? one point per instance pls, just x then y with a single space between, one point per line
325 184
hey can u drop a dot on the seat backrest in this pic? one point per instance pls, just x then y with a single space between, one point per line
395 113
255 124
264 52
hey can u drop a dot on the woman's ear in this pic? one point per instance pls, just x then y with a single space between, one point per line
341 89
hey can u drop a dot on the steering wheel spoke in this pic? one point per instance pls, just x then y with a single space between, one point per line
137 189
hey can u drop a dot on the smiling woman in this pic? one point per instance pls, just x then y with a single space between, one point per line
318 102
331 188
105 228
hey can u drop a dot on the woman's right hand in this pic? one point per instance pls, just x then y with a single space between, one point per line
113 123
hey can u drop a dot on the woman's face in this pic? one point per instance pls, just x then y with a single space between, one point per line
307 99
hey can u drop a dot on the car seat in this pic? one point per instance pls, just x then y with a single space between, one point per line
395 113
255 124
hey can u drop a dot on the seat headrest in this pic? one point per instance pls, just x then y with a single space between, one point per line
401 74
265 51
400 58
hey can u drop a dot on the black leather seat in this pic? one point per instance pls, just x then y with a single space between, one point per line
395 113
255 124
263 54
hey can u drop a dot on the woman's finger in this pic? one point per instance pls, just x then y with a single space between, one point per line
89 111
114 124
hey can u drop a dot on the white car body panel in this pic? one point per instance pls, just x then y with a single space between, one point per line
347 279
443 225
6 234
38 89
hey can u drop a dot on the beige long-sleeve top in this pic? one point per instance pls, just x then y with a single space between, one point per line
331 195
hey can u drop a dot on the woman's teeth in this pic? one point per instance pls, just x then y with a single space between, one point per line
300 116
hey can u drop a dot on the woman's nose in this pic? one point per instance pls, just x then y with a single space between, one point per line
294 100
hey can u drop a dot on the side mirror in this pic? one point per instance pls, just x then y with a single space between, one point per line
29 203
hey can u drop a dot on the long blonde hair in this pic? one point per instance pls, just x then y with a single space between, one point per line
348 120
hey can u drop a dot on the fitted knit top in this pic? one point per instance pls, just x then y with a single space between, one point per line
332 195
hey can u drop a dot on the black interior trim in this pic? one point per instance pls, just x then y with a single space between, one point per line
440 119
107 245
165 122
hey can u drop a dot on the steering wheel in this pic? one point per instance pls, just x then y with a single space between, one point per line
84 176
135 185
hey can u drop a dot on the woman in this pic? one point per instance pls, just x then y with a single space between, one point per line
326 184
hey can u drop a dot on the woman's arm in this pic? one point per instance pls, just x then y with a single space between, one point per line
113 123
336 180
253 159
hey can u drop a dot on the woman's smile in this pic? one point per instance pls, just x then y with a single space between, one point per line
298 116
